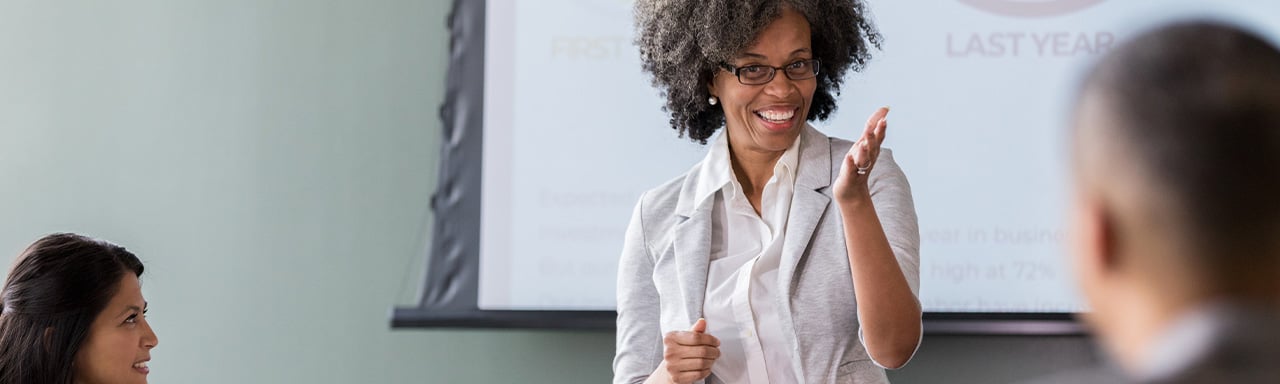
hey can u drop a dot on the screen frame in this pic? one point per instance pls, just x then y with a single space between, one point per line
450 294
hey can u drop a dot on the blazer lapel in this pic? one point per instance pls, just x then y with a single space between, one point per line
692 246
808 204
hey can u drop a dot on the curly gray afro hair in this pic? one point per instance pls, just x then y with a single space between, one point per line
682 43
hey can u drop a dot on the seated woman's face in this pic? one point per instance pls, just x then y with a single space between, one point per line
119 343
769 117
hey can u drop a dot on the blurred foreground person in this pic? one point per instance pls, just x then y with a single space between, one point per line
1176 209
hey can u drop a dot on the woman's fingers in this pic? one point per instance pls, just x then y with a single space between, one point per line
690 364
881 129
686 338
862 154
873 121
692 358
867 148
702 352
861 158
690 354
873 147
699 326
850 164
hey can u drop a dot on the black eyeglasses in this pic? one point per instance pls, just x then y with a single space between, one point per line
763 74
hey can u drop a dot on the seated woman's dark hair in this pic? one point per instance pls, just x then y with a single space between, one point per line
683 42
52 295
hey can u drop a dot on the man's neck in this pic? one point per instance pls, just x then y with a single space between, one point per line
1140 323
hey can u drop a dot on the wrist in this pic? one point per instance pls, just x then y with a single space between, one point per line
854 204
660 375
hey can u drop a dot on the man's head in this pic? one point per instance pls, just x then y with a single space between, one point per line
1177 166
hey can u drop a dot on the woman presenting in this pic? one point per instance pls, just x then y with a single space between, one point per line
784 256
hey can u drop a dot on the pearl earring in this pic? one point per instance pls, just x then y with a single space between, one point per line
713 100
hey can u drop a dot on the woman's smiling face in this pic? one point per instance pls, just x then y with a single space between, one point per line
120 340
768 117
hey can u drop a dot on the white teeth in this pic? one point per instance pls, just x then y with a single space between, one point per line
777 116
140 365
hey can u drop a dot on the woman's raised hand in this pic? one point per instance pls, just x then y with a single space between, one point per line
851 184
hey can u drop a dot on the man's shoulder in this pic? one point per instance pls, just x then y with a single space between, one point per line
1246 354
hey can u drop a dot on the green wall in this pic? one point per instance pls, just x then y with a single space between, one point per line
271 161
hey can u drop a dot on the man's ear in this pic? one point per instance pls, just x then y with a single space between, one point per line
1098 238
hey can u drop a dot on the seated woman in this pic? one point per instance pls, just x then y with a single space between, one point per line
71 311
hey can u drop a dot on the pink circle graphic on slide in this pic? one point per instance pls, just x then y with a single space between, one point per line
1031 8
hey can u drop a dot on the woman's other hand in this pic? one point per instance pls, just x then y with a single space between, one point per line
689 355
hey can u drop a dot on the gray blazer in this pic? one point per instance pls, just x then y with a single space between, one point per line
662 275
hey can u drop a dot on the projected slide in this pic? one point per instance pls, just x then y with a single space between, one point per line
979 90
